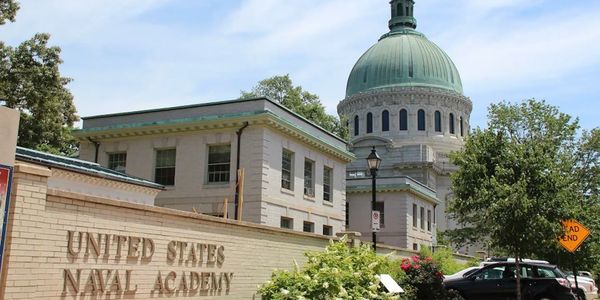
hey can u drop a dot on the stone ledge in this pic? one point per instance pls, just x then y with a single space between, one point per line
21 167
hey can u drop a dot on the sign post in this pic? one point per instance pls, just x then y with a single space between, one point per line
375 220
574 234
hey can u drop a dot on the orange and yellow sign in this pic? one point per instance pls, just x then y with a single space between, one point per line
574 235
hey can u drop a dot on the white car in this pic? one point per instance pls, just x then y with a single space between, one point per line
587 286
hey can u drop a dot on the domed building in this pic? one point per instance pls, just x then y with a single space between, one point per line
404 98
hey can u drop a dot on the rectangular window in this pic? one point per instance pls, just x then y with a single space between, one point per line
429 220
164 172
422 217
219 163
287 223
380 208
415 247
117 161
327 180
309 226
327 230
347 213
414 215
309 183
287 164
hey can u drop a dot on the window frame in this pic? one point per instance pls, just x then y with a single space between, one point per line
403 120
421 120
287 219
217 173
311 226
415 210
452 127
422 214
291 169
115 167
356 126
429 224
369 122
156 166
385 121
309 190
329 229
327 184
438 121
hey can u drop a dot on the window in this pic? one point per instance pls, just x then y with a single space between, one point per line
438 121
415 247
355 125
429 220
414 215
408 12
219 158
422 217
287 223
347 213
309 183
287 167
164 172
117 161
369 123
421 120
327 173
403 119
451 123
399 10
308 227
381 209
385 121
327 230
462 132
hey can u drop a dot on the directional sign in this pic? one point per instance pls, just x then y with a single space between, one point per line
574 235
375 220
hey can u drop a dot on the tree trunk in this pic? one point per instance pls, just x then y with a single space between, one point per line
518 271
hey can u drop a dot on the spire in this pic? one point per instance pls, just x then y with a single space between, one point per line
402 14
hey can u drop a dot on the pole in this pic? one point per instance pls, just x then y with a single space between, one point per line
575 273
373 206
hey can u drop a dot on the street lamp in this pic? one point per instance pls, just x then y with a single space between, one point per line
373 160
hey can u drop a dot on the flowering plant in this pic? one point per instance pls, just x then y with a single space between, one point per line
425 278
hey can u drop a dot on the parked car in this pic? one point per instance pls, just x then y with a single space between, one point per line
462 273
498 281
585 289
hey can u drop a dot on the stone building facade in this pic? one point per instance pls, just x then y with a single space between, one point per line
294 170
404 97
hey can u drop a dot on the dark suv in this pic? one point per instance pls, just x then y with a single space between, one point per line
498 282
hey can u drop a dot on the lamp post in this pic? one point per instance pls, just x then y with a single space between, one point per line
373 160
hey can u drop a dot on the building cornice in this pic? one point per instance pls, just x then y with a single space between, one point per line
214 122
408 186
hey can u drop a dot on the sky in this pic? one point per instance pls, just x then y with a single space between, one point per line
129 55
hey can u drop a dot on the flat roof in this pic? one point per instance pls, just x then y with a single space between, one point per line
80 166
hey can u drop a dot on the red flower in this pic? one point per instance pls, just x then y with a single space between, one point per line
415 258
439 274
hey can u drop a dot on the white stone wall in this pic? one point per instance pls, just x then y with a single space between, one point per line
261 150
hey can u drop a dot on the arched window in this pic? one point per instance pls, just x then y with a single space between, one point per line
355 125
399 10
385 121
451 123
421 120
438 121
369 123
462 132
403 119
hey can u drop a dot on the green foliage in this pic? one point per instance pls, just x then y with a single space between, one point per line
340 272
425 278
31 83
444 259
282 90
8 10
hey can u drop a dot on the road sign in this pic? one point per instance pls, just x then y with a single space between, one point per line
375 220
574 235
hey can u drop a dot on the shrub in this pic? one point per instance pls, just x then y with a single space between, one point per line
341 272
425 278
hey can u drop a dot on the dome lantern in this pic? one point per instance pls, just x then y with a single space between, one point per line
402 14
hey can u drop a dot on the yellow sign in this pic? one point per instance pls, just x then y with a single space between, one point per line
574 235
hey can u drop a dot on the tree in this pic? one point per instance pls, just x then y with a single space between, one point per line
30 82
8 10
282 90
515 180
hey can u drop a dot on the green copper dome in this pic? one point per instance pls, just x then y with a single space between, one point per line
403 57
